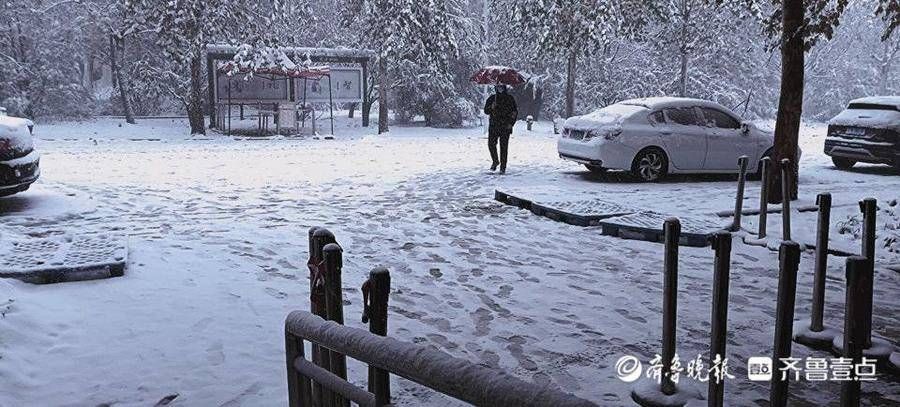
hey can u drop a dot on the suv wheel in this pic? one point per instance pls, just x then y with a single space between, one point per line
843 163
650 165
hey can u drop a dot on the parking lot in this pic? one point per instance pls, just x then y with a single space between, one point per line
217 237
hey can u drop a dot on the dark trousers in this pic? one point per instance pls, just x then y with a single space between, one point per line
503 138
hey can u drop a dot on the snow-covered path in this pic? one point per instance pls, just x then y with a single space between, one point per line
218 248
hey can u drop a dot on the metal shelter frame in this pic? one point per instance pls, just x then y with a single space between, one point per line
222 53
288 76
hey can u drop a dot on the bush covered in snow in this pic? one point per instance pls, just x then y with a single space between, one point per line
887 226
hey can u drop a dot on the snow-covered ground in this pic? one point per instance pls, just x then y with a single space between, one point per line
218 244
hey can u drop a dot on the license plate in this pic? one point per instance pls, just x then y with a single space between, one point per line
855 131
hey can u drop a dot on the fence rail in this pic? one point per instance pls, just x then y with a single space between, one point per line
457 378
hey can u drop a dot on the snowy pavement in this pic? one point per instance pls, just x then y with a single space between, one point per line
217 233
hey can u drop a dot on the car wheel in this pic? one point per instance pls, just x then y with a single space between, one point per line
595 169
650 165
843 163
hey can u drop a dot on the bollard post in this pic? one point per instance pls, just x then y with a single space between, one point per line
739 199
818 301
666 393
789 260
815 334
672 228
763 195
785 199
529 121
376 292
859 288
334 307
719 318
868 207
319 238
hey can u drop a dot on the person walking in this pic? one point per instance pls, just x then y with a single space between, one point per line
501 107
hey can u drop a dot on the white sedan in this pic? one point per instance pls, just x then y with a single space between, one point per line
653 137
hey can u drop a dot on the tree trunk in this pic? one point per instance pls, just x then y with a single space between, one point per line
351 110
570 85
790 102
118 43
382 96
683 48
195 98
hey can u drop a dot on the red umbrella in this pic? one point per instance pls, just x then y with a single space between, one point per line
493 75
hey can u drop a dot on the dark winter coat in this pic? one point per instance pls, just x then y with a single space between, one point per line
501 107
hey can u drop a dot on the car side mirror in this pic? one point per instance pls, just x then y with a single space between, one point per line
745 128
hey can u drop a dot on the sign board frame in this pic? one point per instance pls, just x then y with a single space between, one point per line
340 87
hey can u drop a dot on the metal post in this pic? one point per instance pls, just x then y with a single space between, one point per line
331 104
739 199
334 307
816 324
365 92
378 289
672 228
868 207
786 199
763 195
719 319
789 260
859 291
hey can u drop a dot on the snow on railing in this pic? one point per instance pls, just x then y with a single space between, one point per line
429 367
323 380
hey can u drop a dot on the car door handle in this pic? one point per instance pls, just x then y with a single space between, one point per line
666 133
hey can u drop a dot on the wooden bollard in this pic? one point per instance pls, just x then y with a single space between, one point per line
859 289
789 261
739 199
672 228
785 199
319 238
815 334
377 290
719 318
763 195
334 306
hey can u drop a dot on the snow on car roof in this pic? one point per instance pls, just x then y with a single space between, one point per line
668 101
611 115
879 100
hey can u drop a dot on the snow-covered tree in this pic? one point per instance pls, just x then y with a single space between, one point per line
569 29
416 43
40 65
183 29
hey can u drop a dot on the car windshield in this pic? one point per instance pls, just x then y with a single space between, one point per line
872 106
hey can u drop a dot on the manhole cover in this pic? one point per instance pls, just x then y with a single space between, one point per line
62 258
